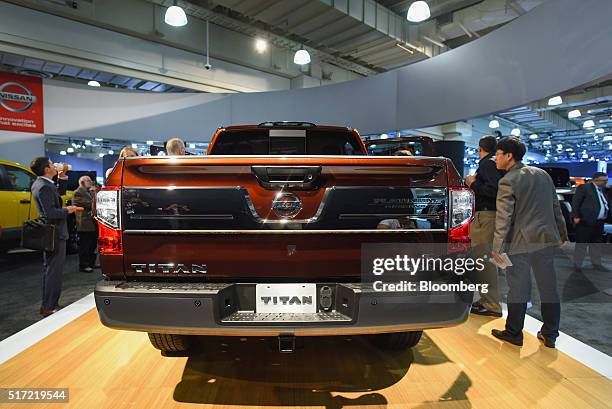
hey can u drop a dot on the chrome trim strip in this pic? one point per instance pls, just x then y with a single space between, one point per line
183 217
327 231
180 187
351 216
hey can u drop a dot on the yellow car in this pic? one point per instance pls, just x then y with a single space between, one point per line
16 203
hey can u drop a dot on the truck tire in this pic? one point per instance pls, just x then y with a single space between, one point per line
170 342
396 341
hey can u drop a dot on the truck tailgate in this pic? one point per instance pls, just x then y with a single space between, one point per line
258 218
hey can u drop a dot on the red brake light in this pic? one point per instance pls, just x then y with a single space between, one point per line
109 240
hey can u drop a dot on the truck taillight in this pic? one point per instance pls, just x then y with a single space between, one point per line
109 222
460 213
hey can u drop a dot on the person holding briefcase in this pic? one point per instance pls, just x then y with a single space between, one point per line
49 203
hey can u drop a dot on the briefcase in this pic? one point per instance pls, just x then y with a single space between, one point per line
37 235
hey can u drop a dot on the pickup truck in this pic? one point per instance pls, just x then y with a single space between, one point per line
263 237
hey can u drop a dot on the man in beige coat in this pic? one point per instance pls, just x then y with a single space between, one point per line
528 226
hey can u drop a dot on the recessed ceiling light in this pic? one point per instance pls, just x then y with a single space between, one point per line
70 150
555 101
515 132
135 145
101 154
494 124
93 83
547 143
111 152
533 136
574 114
261 45
175 16
149 142
599 131
63 153
418 11
192 146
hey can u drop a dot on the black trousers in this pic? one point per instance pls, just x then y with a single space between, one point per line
53 271
519 283
88 242
591 237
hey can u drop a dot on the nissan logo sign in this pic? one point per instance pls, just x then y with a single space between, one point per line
19 101
286 204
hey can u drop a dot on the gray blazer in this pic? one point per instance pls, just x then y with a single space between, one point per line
49 204
528 216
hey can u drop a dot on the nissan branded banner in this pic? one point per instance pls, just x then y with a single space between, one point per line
21 103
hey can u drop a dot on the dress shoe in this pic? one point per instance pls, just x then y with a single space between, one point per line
600 267
504 336
86 270
550 343
45 312
480 310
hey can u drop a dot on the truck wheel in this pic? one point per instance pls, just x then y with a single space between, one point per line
170 342
398 340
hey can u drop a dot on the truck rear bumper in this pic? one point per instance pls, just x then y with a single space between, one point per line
225 310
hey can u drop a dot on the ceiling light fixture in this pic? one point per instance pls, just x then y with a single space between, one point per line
408 50
546 143
418 11
515 132
149 143
63 153
599 131
175 16
301 57
101 154
135 145
555 101
111 152
533 136
588 124
574 114
93 83
70 150
261 45
494 124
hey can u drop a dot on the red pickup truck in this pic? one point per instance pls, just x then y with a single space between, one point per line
263 236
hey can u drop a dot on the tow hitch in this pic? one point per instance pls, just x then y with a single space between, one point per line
286 343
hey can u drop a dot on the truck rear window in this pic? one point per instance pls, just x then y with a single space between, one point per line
286 142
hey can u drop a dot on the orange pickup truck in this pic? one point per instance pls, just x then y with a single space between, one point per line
264 236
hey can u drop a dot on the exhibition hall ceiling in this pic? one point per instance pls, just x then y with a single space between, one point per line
374 35
48 69
362 36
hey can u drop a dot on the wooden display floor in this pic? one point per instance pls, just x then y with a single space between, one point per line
460 367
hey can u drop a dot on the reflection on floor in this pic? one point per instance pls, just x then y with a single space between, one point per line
455 367
586 310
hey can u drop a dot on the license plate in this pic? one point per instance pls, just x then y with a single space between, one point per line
286 298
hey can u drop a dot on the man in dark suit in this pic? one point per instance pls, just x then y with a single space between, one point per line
590 209
484 184
528 226
49 204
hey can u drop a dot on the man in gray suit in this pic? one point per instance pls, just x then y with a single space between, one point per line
590 209
49 204
528 226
